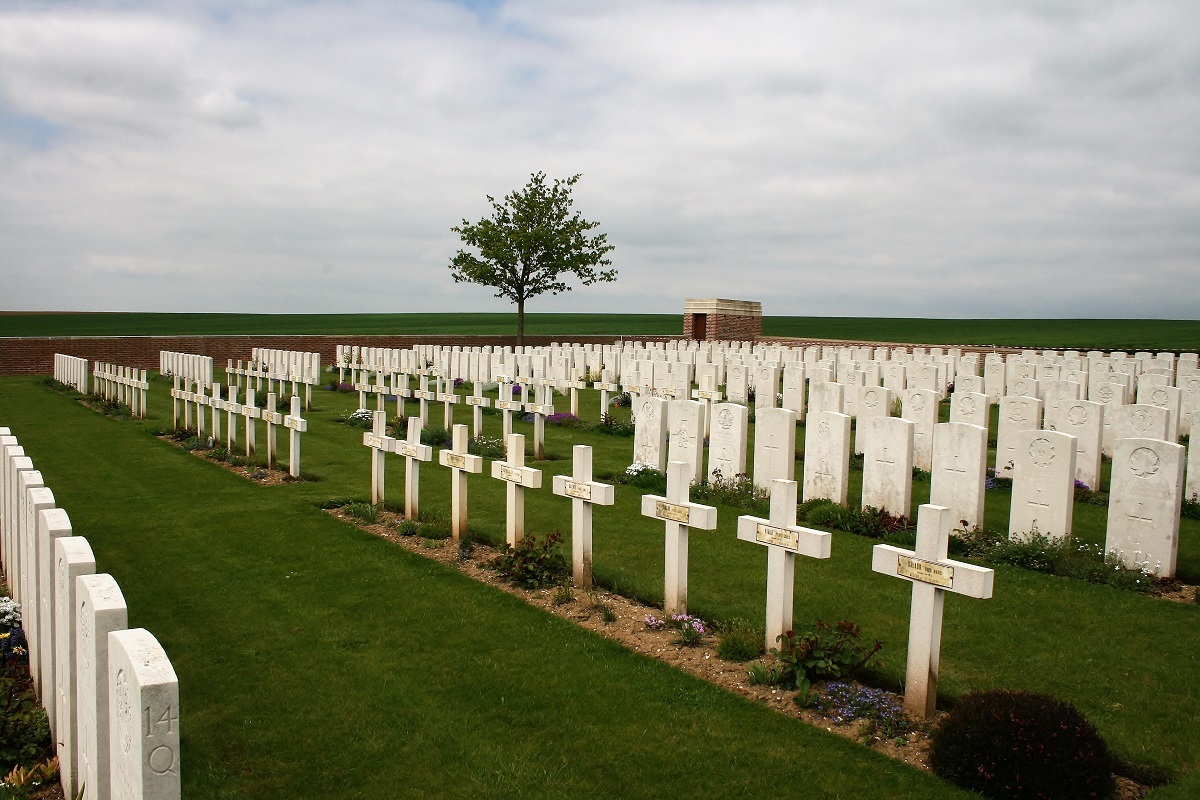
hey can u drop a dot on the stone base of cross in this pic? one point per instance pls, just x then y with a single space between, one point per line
783 539
932 574
584 493
680 515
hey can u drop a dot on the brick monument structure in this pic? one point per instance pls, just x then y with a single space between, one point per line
728 320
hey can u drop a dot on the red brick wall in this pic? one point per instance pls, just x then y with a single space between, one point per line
737 328
35 356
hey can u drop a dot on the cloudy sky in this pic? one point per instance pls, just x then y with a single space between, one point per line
1014 158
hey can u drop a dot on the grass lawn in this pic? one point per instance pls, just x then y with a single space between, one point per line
319 661
1131 334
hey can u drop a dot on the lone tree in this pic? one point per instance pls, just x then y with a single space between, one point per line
530 245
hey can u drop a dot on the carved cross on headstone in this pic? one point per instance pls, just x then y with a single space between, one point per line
932 575
461 463
414 453
680 515
783 539
519 478
584 493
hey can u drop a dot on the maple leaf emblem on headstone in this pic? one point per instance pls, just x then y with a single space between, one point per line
1077 415
1143 462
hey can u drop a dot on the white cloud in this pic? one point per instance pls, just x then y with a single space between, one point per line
929 159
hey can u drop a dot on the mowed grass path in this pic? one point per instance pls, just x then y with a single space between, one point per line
1152 334
318 661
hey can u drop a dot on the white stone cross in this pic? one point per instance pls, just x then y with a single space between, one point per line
584 492
251 412
605 385
783 539
932 575
217 405
519 478
680 515
232 409
508 405
478 403
540 411
379 443
424 395
460 463
448 399
414 453
297 426
400 390
272 418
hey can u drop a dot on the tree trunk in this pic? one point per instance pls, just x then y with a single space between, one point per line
520 323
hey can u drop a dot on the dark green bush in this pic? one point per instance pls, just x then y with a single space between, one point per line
24 730
824 652
533 563
436 437
1012 745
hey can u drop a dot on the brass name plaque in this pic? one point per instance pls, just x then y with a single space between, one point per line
455 460
925 571
580 490
371 440
406 449
781 537
510 474
508 405
605 387
675 513
472 400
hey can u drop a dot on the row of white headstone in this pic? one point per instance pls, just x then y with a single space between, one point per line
72 371
125 385
188 404
1145 494
191 367
110 694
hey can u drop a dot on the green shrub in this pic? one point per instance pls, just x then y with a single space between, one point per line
760 674
533 563
643 476
1012 745
739 641
824 652
24 729
868 521
437 437
487 447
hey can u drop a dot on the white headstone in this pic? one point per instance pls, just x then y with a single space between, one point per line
1084 420
959 468
1043 494
920 406
1143 507
72 558
827 457
1134 421
101 611
143 723
887 444
727 441
650 433
774 446
1017 413
970 408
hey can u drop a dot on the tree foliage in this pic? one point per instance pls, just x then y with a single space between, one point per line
531 245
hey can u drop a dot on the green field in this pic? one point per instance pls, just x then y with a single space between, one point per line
1044 333
319 661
